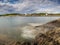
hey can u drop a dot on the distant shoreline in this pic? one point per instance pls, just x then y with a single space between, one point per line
31 15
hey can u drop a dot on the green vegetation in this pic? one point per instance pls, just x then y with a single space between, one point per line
12 14
33 14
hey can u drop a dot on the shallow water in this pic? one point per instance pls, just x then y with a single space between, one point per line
11 25
17 21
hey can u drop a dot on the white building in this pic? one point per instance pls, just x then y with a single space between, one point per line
46 14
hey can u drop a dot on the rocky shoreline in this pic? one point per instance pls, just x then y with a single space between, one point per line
46 34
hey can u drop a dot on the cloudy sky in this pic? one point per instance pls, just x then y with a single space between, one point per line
29 6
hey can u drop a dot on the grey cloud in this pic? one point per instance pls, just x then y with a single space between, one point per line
28 6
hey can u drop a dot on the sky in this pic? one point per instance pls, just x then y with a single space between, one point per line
29 6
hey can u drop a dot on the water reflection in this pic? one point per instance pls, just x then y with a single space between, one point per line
17 21
11 25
